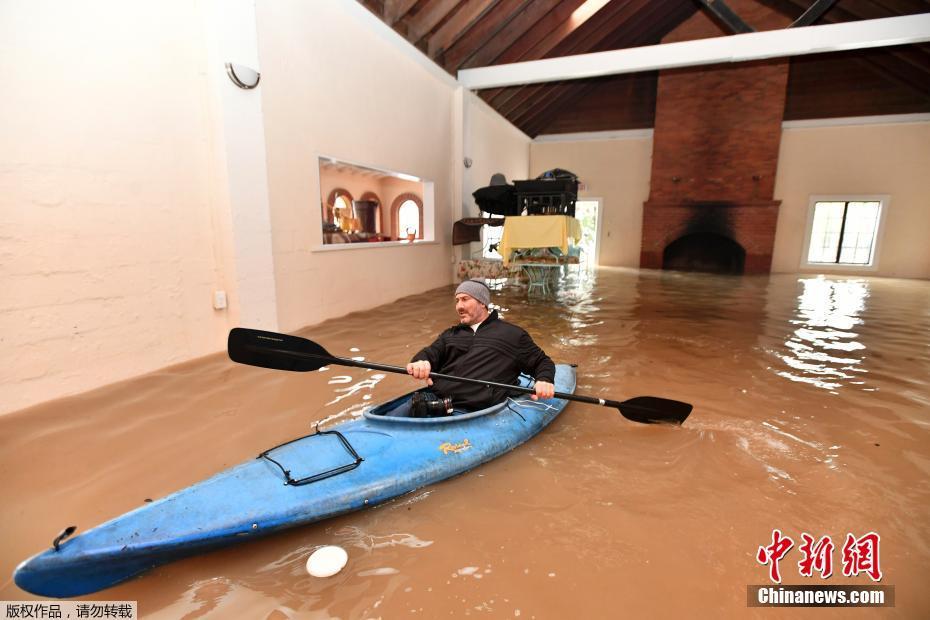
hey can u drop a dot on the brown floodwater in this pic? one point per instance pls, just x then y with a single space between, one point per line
811 414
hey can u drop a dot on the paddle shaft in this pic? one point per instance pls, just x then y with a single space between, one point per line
345 361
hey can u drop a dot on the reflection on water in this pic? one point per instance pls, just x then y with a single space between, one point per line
811 402
825 349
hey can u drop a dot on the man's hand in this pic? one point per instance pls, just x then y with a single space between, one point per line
420 370
544 390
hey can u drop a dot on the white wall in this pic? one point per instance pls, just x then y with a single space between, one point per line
338 82
617 171
107 239
892 159
862 158
492 145
133 183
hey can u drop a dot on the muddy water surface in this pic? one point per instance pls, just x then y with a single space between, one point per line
812 414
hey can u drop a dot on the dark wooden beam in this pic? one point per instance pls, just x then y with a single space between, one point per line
394 10
427 18
516 29
545 34
812 14
641 29
481 33
619 102
586 38
604 34
456 26
720 10
888 64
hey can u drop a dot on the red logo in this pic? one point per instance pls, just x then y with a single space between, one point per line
817 556
772 554
860 555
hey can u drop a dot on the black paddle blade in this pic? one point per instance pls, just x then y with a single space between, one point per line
654 410
276 351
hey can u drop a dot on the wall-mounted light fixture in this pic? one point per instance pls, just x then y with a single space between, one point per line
242 76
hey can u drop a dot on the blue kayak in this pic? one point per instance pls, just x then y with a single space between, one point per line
363 462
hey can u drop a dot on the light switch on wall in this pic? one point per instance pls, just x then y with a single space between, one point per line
219 299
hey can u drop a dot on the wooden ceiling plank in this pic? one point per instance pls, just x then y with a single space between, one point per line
457 25
639 12
631 33
584 38
914 80
559 96
540 39
394 10
513 31
482 32
544 35
427 18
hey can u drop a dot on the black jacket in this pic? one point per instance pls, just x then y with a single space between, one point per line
499 351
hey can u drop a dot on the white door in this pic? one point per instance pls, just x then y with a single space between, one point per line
588 212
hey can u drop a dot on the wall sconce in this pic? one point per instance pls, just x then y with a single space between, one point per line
242 76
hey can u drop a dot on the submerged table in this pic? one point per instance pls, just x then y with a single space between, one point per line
538 231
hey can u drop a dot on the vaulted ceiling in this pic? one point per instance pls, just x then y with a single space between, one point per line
464 34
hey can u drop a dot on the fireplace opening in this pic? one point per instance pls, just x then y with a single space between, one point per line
707 252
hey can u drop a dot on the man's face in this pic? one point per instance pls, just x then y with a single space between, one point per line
470 310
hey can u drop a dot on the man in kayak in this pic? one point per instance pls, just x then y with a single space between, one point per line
482 346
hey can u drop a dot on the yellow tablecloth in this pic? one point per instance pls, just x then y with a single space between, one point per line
538 231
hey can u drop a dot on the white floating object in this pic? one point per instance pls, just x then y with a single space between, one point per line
327 561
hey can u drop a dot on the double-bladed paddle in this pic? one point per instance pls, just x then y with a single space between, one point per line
283 352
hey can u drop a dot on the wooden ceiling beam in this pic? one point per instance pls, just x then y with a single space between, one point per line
427 18
734 48
558 96
812 14
890 67
720 10
640 12
394 10
481 33
585 38
632 32
545 35
456 26
513 31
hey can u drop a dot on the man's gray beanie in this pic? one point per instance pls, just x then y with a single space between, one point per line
476 289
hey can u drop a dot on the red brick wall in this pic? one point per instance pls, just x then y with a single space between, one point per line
716 141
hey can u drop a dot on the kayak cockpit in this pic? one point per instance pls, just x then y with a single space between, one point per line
399 410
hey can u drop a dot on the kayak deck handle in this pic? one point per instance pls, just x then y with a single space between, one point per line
64 534
329 473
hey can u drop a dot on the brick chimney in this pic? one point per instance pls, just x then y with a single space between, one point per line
715 154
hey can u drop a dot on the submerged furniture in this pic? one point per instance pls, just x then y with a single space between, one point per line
547 196
539 275
539 231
